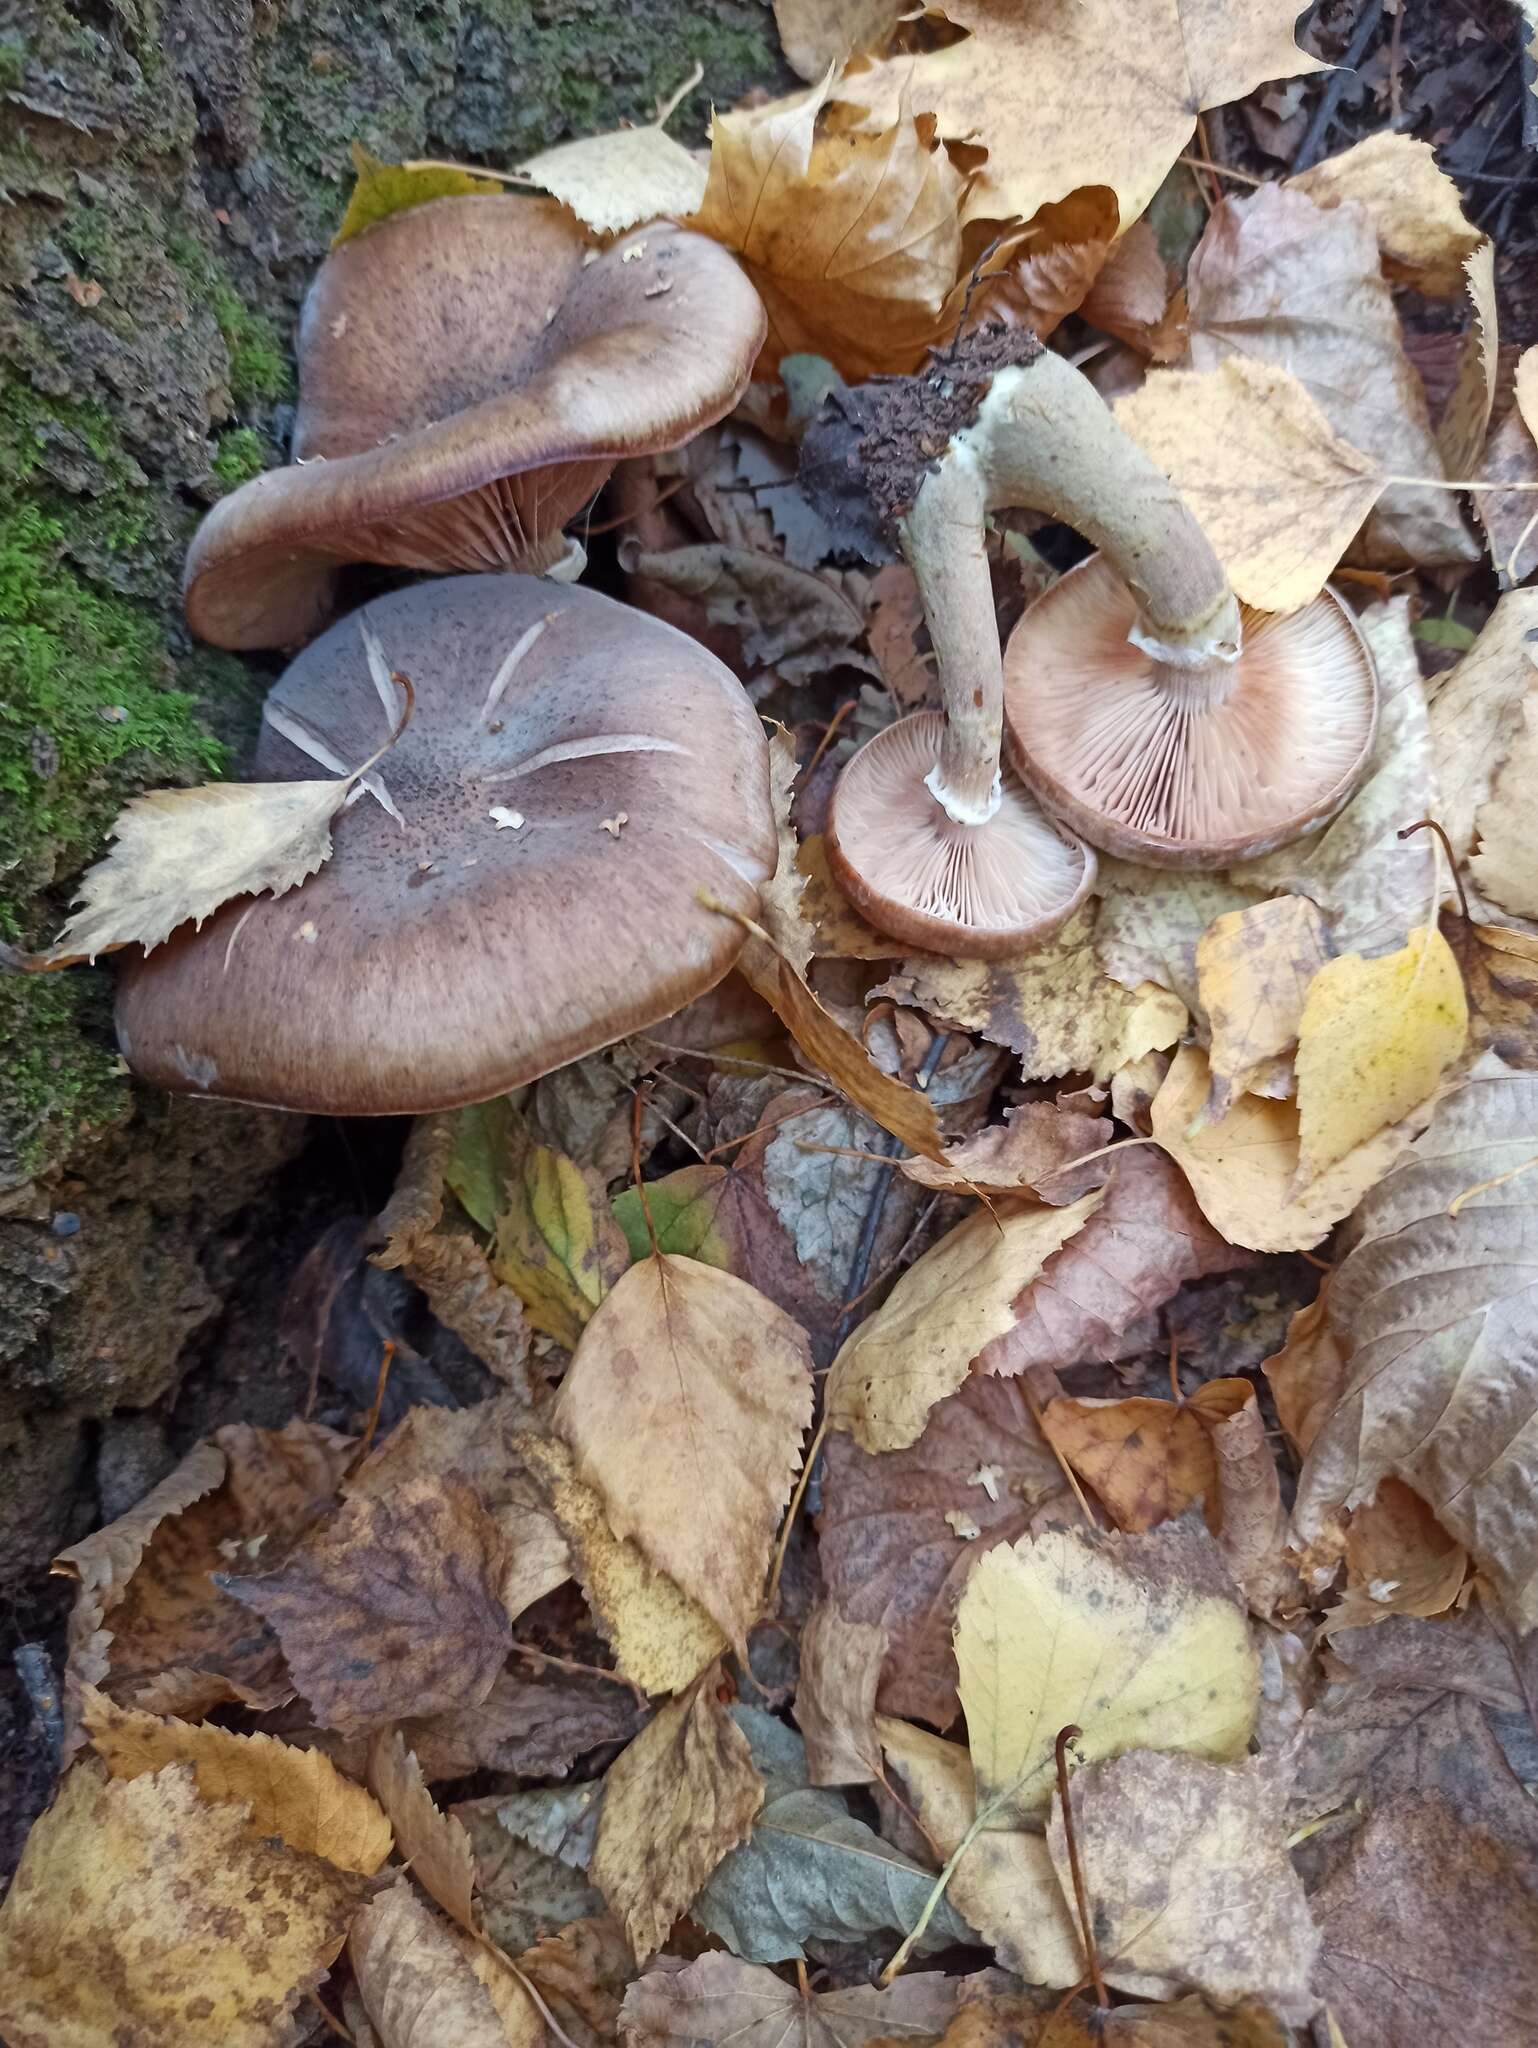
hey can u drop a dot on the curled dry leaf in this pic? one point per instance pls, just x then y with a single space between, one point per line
1254 967
1399 1560
1500 969
432 1842
1024 1156
141 1912
297 1795
718 2002
682 1795
423 1982
1138 1640
1308 1374
943 1314
615 181
797 622
1466 419
392 1608
1219 1907
1416 212
900 1530
534 1723
836 1697
1130 297
1476 714
1437 1311
685 1407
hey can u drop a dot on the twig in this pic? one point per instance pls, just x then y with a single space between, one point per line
1201 163
758 1130
366 1441
1431 825
329 2017
1311 148
1091 1953
854 1300
678 484
1395 47
547 1658
830 732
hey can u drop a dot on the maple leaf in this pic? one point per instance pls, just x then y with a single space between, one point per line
817 33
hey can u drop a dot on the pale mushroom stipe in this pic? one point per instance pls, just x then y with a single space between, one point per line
470 371
447 953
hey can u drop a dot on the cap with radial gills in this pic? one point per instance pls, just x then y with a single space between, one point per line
469 372
1186 767
517 885
984 890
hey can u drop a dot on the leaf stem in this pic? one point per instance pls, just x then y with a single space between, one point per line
936 1893
1081 1900
808 1465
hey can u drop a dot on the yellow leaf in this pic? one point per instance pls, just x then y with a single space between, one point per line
838 930
557 1245
1415 207
1527 389
1064 93
382 189
143 1913
853 240
1147 1460
432 1842
1139 1640
618 180
1506 865
1243 1169
1375 1038
781 908
298 1795
1253 969
685 1406
942 1314
1275 488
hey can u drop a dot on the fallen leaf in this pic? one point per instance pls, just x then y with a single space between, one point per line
1399 1560
1374 1041
1064 94
817 33
391 1607
1130 295
1252 1532
1217 1907
1416 211
1510 456
432 1842
836 1697
297 1795
661 1639
1062 254
1308 1374
620 179
1278 280
1147 1460
799 623
423 1982
893 623
381 189
1051 1005
1254 968
558 1820
1506 865
141 1912
943 1314
1194 2023
685 1406
1138 1640
523 1893
582 1974
1150 920
1437 1314
1276 489
682 1795
1466 419
533 1723
1500 969
891 1544
1476 714
719 2002
852 240
1244 1169
1023 1156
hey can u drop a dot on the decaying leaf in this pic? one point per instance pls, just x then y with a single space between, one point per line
1399 1560
1506 865
1500 969
1477 713
682 1795
142 1912
942 1315
685 1407
1254 967
719 2002
423 1982
836 1697
797 622
617 180
432 1842
1466 418
533 1722
1510 456
1308 1374
382 189
1147 1460
1416 213
1024 1156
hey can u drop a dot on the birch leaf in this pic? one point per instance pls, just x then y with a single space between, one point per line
617 180
1416 212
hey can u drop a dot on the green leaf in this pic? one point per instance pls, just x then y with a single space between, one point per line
683 1211
1445 633
382 189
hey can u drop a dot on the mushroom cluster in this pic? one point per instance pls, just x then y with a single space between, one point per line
1136 704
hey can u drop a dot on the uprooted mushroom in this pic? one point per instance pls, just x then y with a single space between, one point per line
469 372
521 886
1143 709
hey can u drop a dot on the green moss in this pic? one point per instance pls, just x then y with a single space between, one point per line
258 366
242 454
62 1075
13 63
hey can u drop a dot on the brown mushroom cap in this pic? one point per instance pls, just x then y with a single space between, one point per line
445 958
984 890
468 378
1186 770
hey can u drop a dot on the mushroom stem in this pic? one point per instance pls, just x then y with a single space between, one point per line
942 537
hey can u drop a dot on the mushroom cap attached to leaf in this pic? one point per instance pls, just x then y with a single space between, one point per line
1186 769
984 890
469 374
537 896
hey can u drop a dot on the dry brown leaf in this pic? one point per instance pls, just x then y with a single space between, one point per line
582 1973
1253 968
140 1913
1466 420
1150 921
1510 456
1399 1560
661 1638
423 1984
1500 968
432 1842
893 623
616 181
685 1406
533 1722
817 33
297 1795
719 2002
466 1296
799 623
1147 1460
1476 715
1023 1156
675 1802
1130 297
392 1607
1308 1375
1438 1314
852 240
1064 249
943 1314
1506 866
1217 1906
1416 212
1277 280
836 1697
1144 1239
1064 93
900 1531
838 929
1020 2020
1243 1169
1051 1005
1195 2023
1277 490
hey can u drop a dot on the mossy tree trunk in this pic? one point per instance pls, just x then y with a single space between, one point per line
173 170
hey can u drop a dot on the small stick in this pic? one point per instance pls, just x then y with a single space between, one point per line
639 1110
1064 1737
365 1442
547 1659
329 2017
1311 148
1431 825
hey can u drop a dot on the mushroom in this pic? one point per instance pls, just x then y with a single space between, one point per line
483 917
470 371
